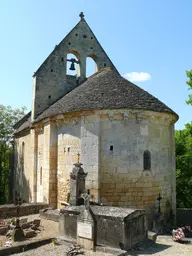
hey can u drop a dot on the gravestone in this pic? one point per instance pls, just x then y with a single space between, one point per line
17 234
77 184
86 224
92 226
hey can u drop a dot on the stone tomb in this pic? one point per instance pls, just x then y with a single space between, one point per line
115 227
85 229
119 227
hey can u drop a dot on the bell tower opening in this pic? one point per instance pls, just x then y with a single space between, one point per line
72 65
91 65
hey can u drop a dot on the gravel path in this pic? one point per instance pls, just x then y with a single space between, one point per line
164 247
50 250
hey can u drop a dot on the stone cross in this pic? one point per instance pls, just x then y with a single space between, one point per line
78 155
81 15
86 196
18 202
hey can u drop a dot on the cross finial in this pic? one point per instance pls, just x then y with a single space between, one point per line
78 155
81 15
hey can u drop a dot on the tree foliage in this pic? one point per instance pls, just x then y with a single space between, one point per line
183 139
189 83
8 117
183 142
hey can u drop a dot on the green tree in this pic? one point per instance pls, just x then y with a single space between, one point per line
183 139
8 117
189 83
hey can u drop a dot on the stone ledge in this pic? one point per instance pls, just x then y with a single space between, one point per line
10 210
50 214
24 246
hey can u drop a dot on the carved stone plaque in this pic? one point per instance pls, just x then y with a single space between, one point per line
84 230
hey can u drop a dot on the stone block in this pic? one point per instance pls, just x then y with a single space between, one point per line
29 233
23 220
120 185
152 235
3 230
25 225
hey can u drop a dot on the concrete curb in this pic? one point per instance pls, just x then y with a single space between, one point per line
24 246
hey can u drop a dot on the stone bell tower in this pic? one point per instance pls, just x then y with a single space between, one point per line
51 81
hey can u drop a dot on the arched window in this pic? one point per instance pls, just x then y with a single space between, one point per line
72 66
146 160
23 156
91 66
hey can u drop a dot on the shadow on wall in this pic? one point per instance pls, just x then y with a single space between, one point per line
21 183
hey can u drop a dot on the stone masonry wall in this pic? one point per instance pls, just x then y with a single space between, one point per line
90 152
41 181
68 136
23 179
112 147
111 144
124 182
10 210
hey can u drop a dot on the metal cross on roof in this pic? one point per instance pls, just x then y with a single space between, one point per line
81 15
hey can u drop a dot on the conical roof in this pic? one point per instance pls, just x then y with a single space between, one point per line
105 90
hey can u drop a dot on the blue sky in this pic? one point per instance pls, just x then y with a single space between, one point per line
149 36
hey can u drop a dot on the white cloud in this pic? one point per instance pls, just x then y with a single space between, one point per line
137 76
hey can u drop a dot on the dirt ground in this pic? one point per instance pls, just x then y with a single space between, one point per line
164 245
48 229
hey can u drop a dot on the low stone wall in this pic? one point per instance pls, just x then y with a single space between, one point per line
184 217
10 210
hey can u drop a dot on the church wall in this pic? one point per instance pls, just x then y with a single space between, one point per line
111 145
78 135
90 152
23 171
41 174
68 136
124 182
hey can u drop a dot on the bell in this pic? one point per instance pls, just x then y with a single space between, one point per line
72 66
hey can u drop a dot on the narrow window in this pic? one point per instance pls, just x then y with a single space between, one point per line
111 148
23 156
68 149
146 160
41 176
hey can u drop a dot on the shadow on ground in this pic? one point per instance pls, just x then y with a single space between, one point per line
148 248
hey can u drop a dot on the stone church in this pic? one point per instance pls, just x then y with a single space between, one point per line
123 135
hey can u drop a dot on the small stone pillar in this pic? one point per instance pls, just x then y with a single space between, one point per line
77 184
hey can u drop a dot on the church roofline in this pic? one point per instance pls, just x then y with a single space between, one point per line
22 120
105 90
